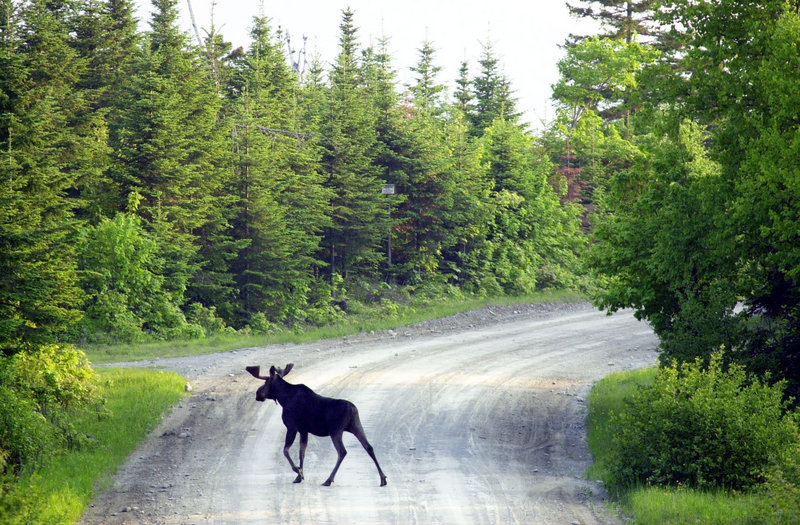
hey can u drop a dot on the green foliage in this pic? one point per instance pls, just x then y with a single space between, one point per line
601 75
656 246
702 428
123 276
771 502
706 218
779 496
493 95
134 400
620 19
530 230
609 396
146 181
44 154
41 389
25 435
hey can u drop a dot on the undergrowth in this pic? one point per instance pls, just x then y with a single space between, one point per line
135 400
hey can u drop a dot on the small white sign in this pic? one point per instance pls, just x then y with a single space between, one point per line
388 189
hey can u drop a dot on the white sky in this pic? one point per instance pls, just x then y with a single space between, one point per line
525 35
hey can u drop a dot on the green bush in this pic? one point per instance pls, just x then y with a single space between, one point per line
128 296
25 435
702 428
779 500
206 318
39 389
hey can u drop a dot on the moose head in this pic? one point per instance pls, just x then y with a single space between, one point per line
265 391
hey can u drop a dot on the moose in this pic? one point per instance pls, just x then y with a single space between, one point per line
305 411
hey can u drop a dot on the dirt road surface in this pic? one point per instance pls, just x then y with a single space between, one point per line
474 419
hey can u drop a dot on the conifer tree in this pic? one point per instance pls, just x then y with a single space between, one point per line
359 215
530 241
493 94
619 19
426 92
107 39
426 178
170 149
42 159
283 207
463 94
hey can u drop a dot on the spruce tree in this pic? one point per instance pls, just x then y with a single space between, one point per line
530 240
425 177
106 38
42 158
463 95
352 243
426 92
283 207
171 150
493 94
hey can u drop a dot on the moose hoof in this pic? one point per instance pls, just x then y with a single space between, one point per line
327 483
383 482
299 478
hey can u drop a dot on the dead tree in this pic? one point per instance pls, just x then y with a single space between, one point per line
306 412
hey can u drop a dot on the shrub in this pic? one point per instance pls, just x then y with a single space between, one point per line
780 495
39 388
206 318
25 435
703 428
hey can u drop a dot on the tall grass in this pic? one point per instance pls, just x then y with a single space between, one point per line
369 319
607 397
659 505
136 399
664 506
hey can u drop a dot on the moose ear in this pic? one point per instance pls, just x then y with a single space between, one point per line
272 371
255 371
286 369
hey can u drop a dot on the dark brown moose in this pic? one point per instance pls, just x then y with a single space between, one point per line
305 411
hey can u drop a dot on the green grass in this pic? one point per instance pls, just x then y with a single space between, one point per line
371 319
662 506
658 505
135 401
607 397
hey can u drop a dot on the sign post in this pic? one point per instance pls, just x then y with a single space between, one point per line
388 189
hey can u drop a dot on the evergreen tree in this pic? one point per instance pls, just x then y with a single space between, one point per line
426 179
463 95
621 19
42 159
493 95
170 150
107 40
283 207
359 215
426 92
531 242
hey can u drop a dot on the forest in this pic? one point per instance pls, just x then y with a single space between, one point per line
155 188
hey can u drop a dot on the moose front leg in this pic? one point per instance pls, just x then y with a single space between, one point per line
290 435
303 445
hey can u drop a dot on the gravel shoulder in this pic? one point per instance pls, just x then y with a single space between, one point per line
476 418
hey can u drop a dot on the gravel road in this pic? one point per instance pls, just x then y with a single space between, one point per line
478 418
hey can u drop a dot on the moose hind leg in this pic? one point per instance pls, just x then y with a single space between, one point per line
358 432
290 435
341 451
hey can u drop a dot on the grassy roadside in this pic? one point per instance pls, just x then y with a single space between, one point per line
657 505
135 400
374 318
